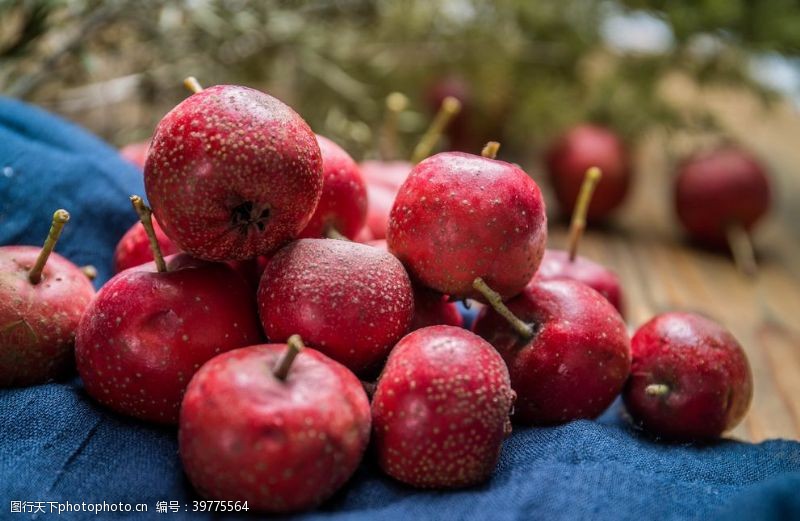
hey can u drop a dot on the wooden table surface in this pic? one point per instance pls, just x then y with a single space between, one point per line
661 271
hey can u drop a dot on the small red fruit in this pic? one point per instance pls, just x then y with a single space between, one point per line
718 189
342 208
233 173
136 153
459 216
134 247
280 432
42 298
556 265
379 206
579 149
386 174
349 300
690 378
151 327
576 358
441 409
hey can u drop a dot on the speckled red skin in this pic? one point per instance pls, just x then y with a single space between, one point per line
134 247
351 301
710 382
343 205
578 359
431 308
460 216
146 333
233 173
717 188
281 446
136 153
579 149
387 174
557 266
38 321
441 409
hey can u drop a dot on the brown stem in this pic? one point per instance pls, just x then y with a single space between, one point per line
493 298
60 218
146 216
191 83
396 102
90 271
578 224
742 249
491 149
656 389
450 107
332 233
293 347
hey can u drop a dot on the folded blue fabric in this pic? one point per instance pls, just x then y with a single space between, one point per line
57 445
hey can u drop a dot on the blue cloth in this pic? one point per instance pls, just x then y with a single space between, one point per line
56 444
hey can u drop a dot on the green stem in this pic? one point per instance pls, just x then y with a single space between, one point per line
60 218
146 216
293 347
493 298
578 225
450 107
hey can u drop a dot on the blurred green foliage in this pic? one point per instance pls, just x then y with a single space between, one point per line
530 68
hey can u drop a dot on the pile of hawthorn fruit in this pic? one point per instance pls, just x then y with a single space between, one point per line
256 216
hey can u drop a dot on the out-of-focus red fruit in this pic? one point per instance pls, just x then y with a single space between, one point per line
720 188
134 247
556 265
579 149
343 205
136 153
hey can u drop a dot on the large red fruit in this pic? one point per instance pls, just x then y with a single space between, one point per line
134 247
147 332
281 444
690 378
556 265
233 173
441 409
38 318
349 300
576 361
460 216
720 188
579 149
343 205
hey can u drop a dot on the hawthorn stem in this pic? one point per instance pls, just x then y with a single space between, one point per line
90 271
742 249
146 217
191 83
656 389
60 218
578 224
490 150
493 298
449 109
332 233
293 347
396 102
